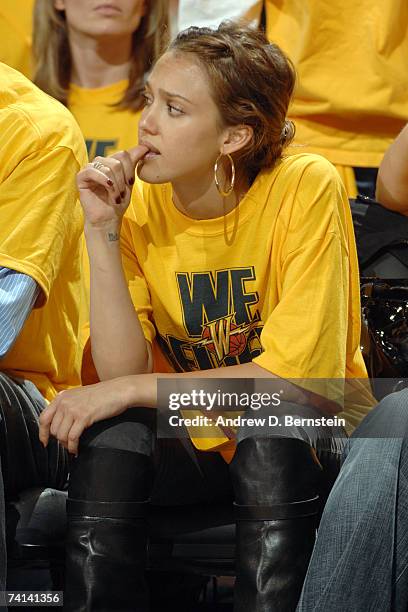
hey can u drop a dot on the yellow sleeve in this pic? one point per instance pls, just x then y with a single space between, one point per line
41 215
305 336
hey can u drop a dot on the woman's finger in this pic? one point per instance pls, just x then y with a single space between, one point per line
136 154
127 167
64 429
56 422
112 167
46 417
91 177
74 435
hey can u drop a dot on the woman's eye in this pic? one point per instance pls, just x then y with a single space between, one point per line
173 110
147 99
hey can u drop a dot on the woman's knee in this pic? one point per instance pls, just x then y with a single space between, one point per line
266 468
126 432
389 419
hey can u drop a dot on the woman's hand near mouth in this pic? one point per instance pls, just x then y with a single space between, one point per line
105 186
152 152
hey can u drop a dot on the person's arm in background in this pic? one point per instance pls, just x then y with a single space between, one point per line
392 180
18 293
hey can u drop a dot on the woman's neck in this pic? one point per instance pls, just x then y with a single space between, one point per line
202 200
98 62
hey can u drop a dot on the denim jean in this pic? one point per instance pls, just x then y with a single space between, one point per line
360 559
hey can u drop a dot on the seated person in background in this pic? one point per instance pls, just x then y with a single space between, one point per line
360 559
41 150
93 58
225 234
392 180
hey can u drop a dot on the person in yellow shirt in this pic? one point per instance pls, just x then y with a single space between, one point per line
15 34
93 57
350 101
359 561
40 270
231 261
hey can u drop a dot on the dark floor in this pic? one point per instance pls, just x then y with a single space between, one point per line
179 593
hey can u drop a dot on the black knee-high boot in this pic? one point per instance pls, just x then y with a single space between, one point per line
107 533
276 483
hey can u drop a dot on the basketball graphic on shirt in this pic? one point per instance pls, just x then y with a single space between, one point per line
237 340
237 344
206 336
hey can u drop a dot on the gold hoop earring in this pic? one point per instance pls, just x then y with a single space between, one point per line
217 184
137 169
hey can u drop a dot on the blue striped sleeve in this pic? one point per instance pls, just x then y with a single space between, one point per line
18 293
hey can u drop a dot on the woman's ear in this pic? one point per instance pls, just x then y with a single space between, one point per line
236 138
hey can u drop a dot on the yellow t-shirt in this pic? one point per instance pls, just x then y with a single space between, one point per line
41 150
280 271
106 129
15 34
351 58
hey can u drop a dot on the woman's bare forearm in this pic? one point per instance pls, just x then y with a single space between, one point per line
142 390
392 181
119 347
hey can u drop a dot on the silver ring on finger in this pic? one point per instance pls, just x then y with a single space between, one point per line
97 165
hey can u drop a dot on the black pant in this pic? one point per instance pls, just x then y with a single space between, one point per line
184 475
25 463
366 179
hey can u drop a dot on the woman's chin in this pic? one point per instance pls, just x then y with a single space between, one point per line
150 175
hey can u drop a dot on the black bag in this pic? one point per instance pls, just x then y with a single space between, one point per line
382 247
382 239
384 305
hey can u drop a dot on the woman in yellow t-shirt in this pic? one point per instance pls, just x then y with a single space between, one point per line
15 34
93 57
231 261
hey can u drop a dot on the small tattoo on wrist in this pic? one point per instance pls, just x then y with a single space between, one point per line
113 236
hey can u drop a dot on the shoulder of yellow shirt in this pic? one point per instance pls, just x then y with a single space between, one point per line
311 168
312 165
41 121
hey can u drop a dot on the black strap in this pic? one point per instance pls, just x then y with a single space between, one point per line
79 507
378 230
307 507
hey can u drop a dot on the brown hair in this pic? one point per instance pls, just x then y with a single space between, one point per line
252 82
52 56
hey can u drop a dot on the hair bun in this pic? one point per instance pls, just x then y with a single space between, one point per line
288 132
